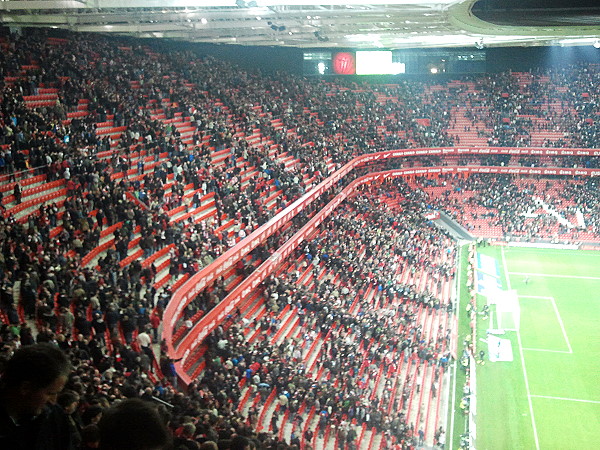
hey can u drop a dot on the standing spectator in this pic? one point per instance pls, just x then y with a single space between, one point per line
17 193
145 341
155 322
26 335
112 318
65 321
99 326
83 325
308 436
167 367
133 425
30 384
186 439
69 402
128 327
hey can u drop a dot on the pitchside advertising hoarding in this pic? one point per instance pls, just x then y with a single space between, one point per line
206 276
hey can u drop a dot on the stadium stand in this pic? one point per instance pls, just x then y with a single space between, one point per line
120 184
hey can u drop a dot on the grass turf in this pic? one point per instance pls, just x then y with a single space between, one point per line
560 313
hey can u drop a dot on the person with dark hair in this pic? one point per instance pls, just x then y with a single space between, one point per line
186 439
240 443
69 401
90 437
29 387
133 424
92 415
17 193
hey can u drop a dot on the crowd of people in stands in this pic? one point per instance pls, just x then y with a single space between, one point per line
322 125
328 287
556 210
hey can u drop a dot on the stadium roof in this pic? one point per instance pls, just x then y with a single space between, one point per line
389 24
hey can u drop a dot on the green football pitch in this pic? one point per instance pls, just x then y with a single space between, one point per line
548 396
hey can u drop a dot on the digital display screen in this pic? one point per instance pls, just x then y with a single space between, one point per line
394 62
377 63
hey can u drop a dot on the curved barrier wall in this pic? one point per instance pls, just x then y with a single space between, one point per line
182 297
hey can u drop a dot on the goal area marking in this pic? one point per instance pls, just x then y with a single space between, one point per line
560 322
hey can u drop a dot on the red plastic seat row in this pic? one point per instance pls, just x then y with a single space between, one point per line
96 251
39 104
112 131
36 201
75 114
40 97
156 255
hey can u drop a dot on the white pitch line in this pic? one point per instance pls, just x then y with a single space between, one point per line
544 350
546 251
535 434
547 275
562 326
566 399
506 273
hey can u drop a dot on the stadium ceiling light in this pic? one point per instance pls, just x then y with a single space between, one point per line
361 37
343 2
578 41
258 10
318 3
245 4
436 40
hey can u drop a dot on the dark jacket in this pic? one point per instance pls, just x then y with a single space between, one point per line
48 431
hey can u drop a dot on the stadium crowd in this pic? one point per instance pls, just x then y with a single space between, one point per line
102 317
345 262
516 207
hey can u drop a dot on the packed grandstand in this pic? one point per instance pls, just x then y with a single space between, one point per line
270 232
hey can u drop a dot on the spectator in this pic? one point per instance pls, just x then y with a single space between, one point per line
90 437
30 384
133 425
69 402
342 291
